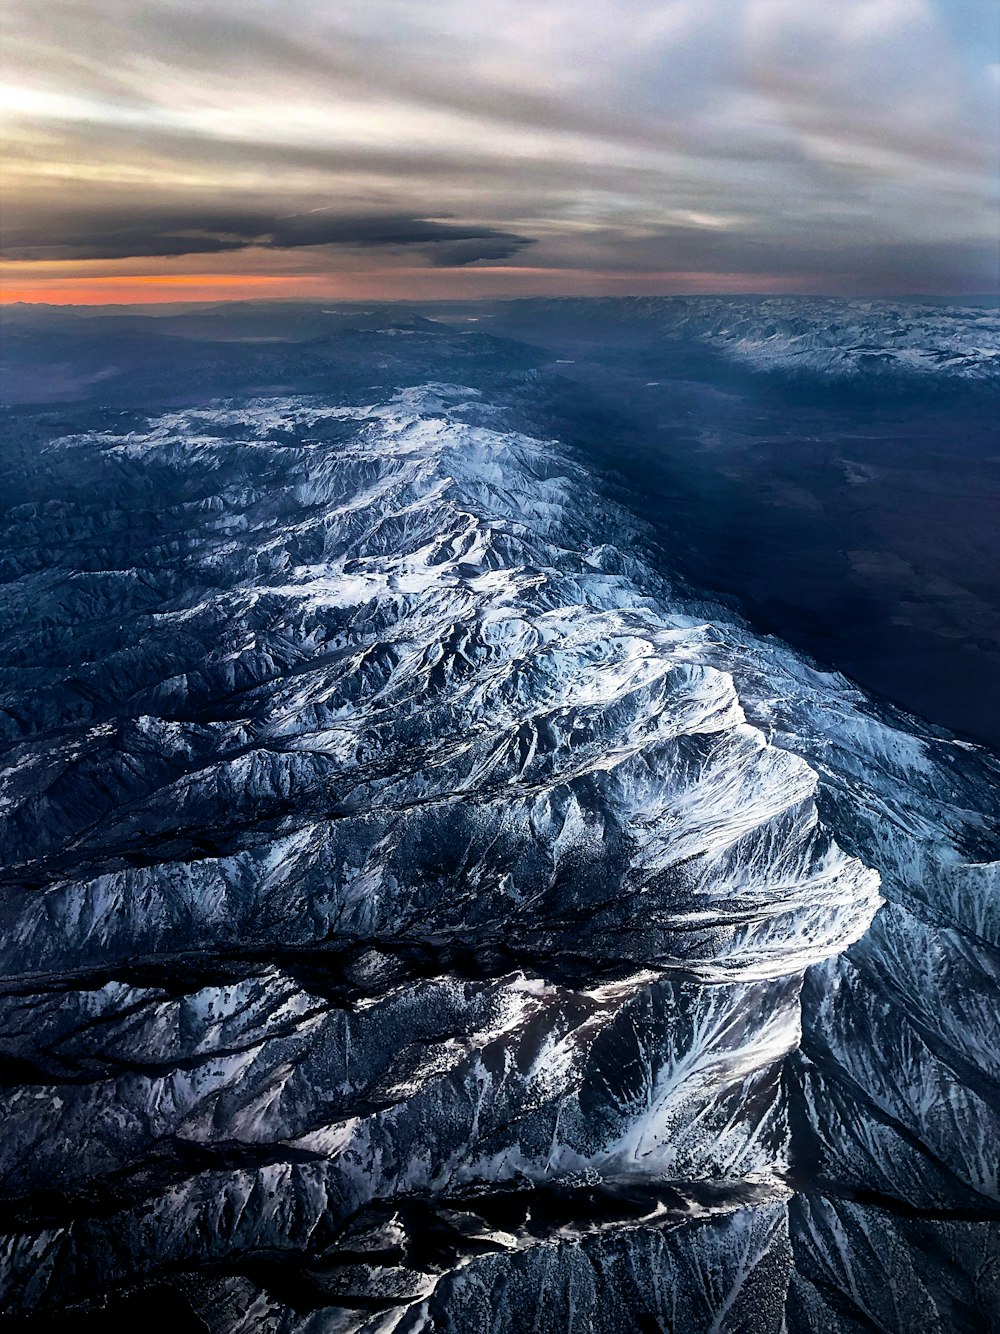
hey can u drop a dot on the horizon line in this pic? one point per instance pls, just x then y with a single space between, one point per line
495 299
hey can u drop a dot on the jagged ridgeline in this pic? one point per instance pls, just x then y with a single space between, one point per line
421 914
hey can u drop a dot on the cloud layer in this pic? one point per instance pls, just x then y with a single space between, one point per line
122 233
848 146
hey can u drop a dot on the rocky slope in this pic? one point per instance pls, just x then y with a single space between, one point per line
422 914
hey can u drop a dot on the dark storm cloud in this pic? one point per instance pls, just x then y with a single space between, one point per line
200 232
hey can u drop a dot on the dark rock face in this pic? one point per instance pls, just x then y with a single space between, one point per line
422 915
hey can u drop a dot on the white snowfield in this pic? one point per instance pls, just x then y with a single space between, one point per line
415 839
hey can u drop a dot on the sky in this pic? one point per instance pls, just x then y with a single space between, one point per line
424 149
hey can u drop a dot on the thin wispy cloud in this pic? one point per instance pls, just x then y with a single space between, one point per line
849 146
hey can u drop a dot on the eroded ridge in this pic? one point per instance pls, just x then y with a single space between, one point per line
420 909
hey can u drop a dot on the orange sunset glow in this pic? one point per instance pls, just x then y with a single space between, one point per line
396 284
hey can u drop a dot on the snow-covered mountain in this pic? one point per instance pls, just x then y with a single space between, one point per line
792 335
423 913
852 337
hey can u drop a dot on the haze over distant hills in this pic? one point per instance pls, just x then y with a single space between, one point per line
830 464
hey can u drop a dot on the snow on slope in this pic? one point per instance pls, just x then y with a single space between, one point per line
824 338
397 852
